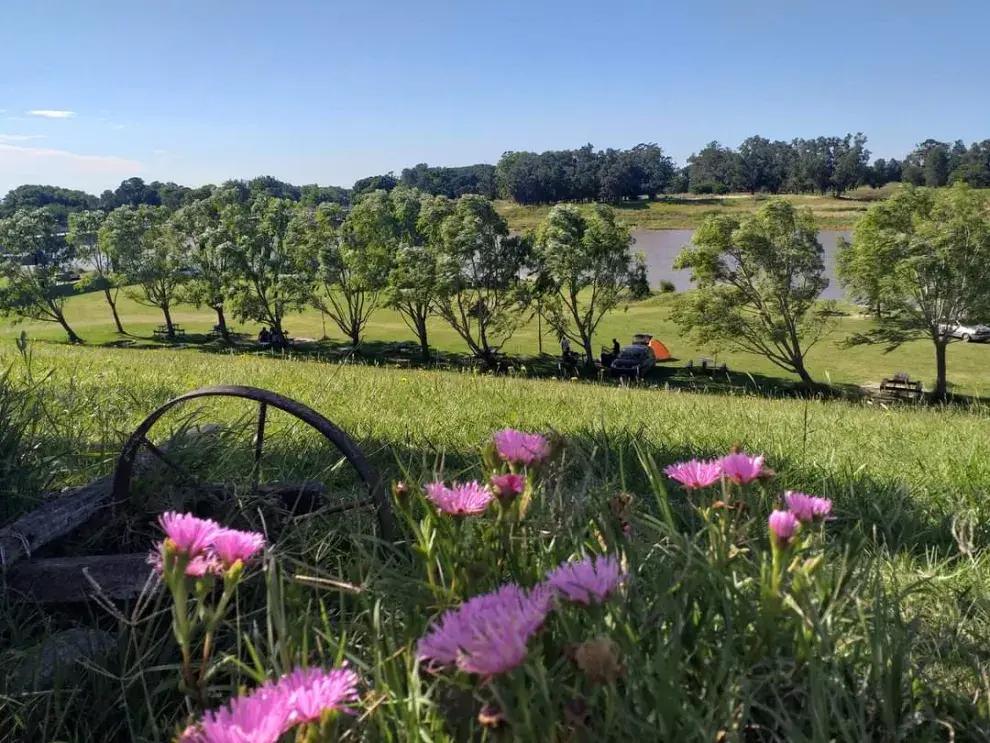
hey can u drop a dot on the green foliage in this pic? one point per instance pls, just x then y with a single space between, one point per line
61 202
153 256
758 283
667 287
412 287
34 256
210 257
638 280
451 182
583 266
480 293
275 273
923 256
353 255
89 239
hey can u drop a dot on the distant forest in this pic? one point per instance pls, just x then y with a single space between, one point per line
824 165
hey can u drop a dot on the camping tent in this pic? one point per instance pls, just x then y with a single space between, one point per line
659 350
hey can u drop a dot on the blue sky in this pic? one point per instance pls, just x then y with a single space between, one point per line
307 91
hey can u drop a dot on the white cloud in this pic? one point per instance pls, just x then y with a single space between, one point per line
52 114
13 157
19 137
117 126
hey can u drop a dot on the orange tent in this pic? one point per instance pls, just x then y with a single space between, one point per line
659 350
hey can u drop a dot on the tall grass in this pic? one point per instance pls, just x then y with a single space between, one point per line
883 638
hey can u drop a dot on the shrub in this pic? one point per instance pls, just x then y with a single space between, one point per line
639 281
667 287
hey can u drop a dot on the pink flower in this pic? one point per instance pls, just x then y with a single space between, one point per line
311 692
459 499
807 508
509 485
800 505
259 717
695 474
190 534
783 526
521 448
233 545
196 567
742 469
272 709
588 581
487 634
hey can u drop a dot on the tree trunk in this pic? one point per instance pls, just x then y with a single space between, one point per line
222 323
589 353
73 338
941 387
113 310
802 372
424 343
169 327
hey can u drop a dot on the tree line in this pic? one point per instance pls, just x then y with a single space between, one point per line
259 258
916 261
823 165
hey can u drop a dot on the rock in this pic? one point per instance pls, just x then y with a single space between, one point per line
58 655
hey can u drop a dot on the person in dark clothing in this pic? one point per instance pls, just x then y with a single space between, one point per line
264 337
616 348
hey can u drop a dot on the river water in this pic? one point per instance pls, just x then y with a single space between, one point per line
662 246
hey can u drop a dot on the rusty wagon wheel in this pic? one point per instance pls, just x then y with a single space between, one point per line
125 471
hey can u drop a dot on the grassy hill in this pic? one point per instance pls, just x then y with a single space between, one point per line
830 361
894 621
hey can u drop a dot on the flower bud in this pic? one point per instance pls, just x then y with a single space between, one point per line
599 660
490 717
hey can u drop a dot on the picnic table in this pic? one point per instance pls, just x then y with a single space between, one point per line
162 332
900 386
707 363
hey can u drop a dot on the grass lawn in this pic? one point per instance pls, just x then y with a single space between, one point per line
687 211
882 636
969 364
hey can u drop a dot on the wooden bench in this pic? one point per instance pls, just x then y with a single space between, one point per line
901 387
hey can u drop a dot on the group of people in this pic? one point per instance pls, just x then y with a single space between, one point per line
273 337
569 357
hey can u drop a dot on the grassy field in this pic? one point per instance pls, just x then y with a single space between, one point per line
687 211
887 641
831 360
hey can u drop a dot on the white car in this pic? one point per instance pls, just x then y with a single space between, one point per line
966 331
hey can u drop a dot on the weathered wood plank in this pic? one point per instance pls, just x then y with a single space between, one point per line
66 511
77 579
54 519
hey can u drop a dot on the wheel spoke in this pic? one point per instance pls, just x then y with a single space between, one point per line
259 441
175 466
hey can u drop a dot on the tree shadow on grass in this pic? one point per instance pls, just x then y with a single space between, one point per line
669 374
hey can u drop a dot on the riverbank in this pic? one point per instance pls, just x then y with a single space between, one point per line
686 212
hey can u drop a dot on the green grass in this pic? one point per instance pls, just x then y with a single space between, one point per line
687 211
898 627
830 361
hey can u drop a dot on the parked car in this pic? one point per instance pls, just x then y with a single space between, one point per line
966 331
635 359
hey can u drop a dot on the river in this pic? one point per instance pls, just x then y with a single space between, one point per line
662 246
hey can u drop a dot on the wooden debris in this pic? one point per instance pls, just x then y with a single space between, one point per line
76 579
65 512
